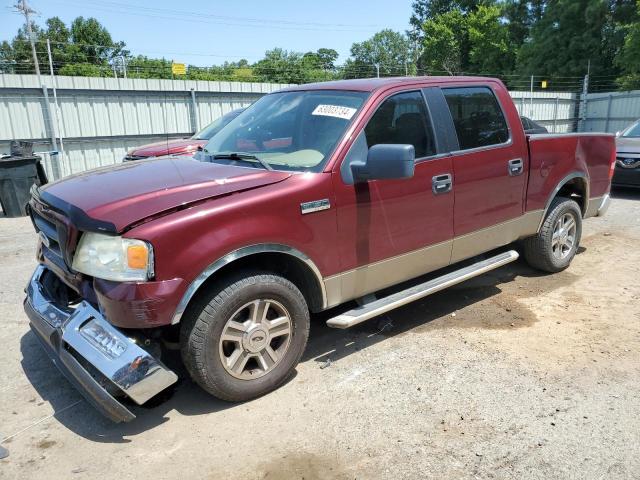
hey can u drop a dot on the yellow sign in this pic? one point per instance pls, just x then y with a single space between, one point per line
544 84
178 69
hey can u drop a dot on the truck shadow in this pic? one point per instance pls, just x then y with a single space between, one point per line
325 343
502 311
77 415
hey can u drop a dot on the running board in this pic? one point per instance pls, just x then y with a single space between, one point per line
383 305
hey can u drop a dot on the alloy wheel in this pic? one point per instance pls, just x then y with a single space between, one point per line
255 339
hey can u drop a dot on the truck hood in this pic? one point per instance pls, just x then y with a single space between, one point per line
628 145
171 147
113 198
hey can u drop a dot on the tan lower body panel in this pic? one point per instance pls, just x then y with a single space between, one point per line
592 206
480 241
370 278
361 281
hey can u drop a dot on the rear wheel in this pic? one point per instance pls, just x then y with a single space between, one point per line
555 245
247 337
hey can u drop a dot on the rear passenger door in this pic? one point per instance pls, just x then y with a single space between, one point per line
489 167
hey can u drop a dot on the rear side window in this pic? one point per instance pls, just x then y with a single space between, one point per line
477 117
402 119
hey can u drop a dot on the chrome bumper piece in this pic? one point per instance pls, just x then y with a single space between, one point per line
76 337
604 205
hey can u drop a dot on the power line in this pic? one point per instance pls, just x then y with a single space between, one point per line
129 6
204 18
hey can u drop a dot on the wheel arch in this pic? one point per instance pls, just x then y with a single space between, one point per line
276 258
576 186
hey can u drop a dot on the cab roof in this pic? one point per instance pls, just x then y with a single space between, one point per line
372 84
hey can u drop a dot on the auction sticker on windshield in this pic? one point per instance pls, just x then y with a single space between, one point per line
334 111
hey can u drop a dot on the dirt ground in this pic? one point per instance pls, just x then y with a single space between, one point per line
511 375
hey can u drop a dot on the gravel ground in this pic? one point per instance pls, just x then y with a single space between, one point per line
510 375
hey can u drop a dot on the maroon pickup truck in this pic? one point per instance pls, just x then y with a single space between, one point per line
353 193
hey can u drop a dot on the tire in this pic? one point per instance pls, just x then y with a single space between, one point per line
212 360
541 251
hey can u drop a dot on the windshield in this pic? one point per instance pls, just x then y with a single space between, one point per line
288 130
632 131
210 130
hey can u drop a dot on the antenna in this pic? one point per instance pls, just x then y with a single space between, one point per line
24 8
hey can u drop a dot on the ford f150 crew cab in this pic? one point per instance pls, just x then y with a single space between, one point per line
364 194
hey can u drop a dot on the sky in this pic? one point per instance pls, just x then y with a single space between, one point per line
202 33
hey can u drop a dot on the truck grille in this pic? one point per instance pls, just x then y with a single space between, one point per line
53 242
48 232
53 230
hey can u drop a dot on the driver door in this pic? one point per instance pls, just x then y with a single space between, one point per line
393 230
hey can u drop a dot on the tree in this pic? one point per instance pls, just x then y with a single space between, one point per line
388 49
59 36
490 49
425 10
16 57
86 42
323 59
569 34
85 70
520 16
476 41
629 58
142 66
280 66
92 43
445 44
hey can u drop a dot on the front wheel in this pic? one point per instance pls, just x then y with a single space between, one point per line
247 338
555 245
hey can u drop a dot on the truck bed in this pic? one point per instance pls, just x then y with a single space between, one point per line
554 157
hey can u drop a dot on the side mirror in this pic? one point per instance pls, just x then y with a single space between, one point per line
386 162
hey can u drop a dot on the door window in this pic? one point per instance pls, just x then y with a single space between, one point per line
402 119
477 117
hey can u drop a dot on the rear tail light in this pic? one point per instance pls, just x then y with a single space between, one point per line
612 163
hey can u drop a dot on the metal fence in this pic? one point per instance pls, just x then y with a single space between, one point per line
557 111
100 119
609 112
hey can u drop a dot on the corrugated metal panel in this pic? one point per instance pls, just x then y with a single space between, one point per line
610 112
102 118
82 155
214 106
554 110
140 84
21 116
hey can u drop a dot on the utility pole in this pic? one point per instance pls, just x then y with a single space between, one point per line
531 99
124 66
55 102
24 8
585 91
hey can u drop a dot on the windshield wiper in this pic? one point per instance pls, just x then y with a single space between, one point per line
241 156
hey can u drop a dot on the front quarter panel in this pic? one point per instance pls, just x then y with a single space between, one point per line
186 242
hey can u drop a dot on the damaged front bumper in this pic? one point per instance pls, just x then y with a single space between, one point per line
97 358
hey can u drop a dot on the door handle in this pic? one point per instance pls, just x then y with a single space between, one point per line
516 167
441 184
